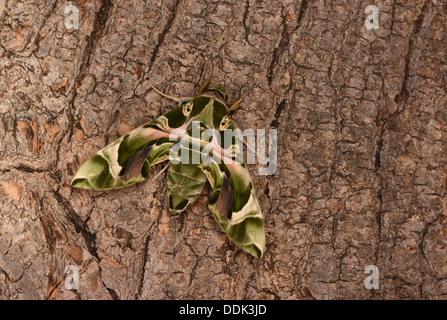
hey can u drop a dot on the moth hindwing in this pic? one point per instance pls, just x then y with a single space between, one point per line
171 137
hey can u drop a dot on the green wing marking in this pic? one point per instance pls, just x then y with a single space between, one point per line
127 160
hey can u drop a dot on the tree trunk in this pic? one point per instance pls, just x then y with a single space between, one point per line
361 120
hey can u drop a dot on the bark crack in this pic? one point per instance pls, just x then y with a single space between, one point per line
89 237
381 180
162 35
278 51
36 41
145 255
303 8
93 39
279 109
244 19
23 168
80 226
402 99
403 96
161 39
285 38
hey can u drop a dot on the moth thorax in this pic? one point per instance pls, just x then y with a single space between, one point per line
215 96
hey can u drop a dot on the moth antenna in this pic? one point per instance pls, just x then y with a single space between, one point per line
207 81
180 100
236 104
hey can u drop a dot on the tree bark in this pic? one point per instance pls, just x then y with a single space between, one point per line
362 136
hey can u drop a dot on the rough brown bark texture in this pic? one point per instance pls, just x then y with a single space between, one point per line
362 158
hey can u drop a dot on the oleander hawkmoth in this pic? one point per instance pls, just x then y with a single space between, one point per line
233 201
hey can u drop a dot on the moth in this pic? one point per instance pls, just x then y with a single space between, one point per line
170 137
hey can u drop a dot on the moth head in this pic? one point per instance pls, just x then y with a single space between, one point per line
187 108
219 89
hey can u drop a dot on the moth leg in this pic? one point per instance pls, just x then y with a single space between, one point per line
207 81
180 100
236 104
